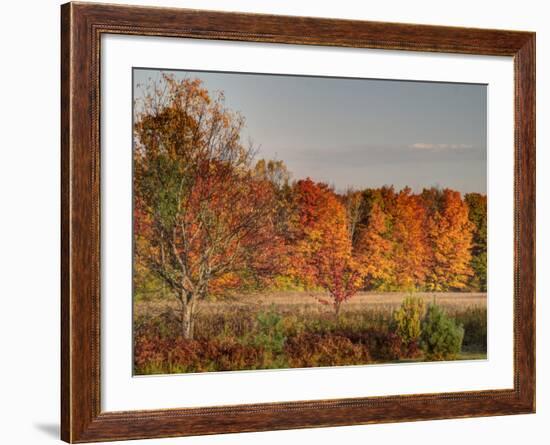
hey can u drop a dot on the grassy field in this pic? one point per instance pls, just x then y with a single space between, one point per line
297 300
291 329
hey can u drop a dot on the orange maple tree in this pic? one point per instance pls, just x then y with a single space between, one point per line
322 254
201 213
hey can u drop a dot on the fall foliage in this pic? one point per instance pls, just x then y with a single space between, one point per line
322 252
210 217
201 214
449 233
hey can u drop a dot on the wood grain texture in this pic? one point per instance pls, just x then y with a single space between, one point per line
81 28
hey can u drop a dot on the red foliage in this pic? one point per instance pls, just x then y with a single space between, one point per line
322 255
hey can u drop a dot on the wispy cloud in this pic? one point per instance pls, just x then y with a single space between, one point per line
427 146
359 155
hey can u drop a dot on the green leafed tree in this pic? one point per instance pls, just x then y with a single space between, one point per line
477 207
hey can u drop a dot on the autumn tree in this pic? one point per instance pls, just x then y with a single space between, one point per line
322 255
449 233
373 248
408 241
392 243
277 174
477 207
354 203
409 249
201 211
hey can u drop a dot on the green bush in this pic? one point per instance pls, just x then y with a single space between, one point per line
474 321
407 320
271 332
441 337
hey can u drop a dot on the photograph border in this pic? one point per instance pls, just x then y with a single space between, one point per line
82 25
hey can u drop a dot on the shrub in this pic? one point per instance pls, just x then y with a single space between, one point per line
383 346
271 331
441 337
308 350
153 355
386 346
407 322
474 321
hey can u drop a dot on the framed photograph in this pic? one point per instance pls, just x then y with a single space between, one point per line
274 222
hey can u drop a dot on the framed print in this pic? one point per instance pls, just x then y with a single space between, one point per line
275 222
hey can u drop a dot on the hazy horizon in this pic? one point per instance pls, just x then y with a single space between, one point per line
359 133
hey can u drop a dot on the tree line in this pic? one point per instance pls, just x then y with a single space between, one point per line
209 217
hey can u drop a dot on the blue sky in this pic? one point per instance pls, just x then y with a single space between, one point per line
360 132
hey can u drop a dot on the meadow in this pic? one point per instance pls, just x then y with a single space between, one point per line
283 329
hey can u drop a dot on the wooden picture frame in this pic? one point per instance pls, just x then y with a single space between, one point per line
82 26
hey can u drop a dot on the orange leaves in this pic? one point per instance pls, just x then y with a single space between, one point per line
449 233
322 254
203 214
374 248
230 280
410 248
413 241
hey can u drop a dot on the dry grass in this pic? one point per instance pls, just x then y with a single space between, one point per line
308 301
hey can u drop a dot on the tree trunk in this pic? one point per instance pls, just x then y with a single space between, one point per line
187 317
337 311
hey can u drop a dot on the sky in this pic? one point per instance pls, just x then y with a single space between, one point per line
359 133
